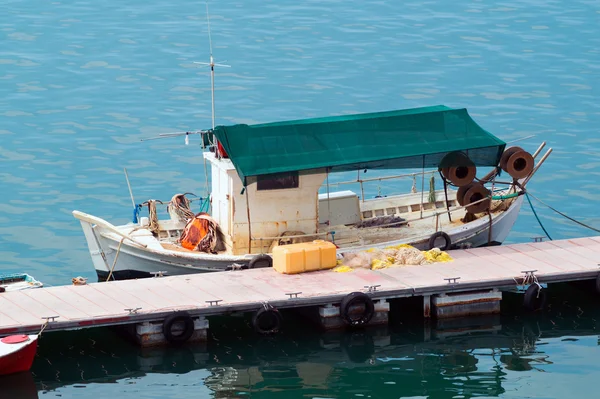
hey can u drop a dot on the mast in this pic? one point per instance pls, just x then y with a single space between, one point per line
212 65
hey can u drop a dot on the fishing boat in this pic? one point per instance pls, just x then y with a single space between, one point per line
271 184
17 353
18 282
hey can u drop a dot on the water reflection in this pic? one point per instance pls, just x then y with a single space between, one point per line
467 357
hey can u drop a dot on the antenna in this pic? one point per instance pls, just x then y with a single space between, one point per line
212 68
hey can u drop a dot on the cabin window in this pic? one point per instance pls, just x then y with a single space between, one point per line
278 181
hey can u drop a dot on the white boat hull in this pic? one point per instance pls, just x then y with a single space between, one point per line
119 257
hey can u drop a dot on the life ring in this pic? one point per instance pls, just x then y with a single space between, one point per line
188 327
267 320
535 298
349 315
435 236
260 261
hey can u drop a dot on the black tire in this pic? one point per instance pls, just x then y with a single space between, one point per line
188 327
598 284
532 301
260 261
267 321
356 298
435 236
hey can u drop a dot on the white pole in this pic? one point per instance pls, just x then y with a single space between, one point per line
129 185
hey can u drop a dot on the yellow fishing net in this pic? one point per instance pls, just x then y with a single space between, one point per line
392 256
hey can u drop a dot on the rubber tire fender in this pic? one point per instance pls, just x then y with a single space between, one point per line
438 234
352 299
188 329
532 301
267 312
260 261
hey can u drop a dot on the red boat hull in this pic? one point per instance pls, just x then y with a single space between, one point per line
20 360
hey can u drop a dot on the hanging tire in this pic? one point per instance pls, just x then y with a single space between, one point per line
178 337
350 316
267 321
260 261
440 234
534 298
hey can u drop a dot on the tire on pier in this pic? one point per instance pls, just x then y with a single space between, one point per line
260 261
173 336
267 320
348 309
534 298
440 234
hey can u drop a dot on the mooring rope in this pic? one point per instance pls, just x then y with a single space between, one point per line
112 269
537 217
566 216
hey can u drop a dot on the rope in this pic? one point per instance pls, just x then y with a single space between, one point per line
431 197
537 217
136 213
566 216
115 261
153 216
43 327
328 202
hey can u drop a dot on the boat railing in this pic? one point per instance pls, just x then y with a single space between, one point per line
361 182
435 215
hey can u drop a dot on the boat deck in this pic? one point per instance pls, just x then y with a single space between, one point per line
152 299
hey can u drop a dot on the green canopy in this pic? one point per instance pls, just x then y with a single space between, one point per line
411 138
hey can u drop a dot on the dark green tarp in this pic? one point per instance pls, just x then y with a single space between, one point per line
411 138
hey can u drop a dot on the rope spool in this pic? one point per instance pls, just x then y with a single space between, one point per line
520 164
506 154
458 168
475 193
460 194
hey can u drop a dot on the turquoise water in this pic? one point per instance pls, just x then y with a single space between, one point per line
82 82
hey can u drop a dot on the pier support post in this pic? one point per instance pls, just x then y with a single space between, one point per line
427 306
462 304
330 318
150 334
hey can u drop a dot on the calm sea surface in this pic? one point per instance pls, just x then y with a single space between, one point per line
81 82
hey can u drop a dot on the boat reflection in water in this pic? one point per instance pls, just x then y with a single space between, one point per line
469 357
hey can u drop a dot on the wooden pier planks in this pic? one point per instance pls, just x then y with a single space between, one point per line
106 303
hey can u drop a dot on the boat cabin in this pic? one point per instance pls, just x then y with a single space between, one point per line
266 178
